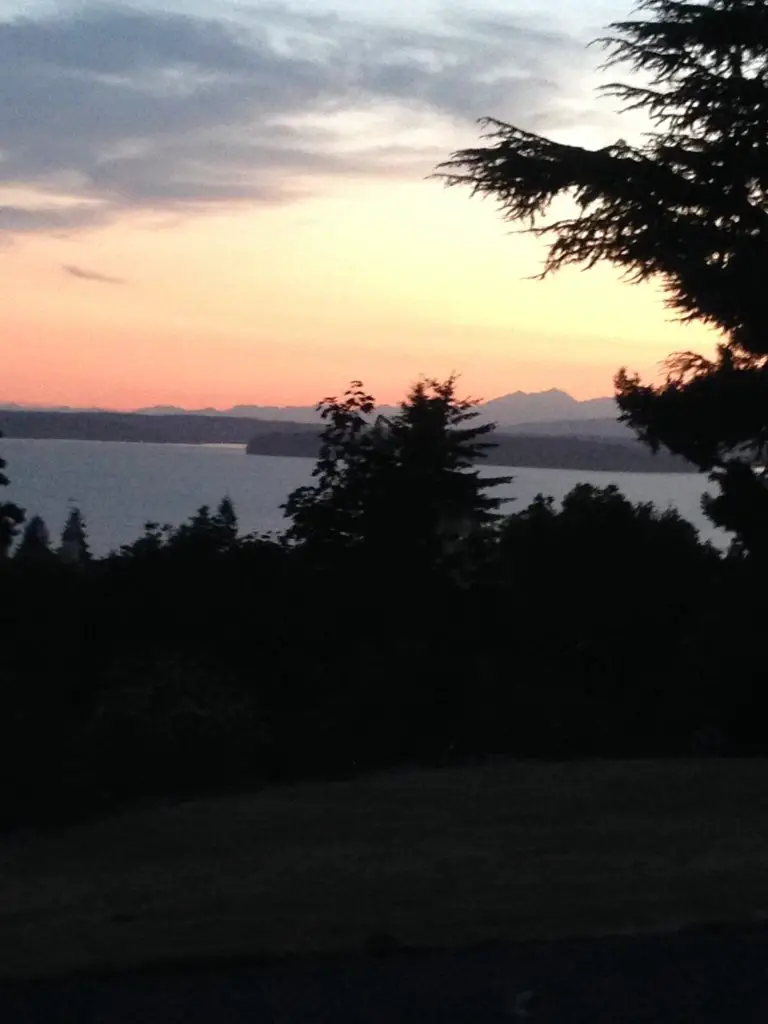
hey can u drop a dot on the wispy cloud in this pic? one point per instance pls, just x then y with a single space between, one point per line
115 108
90 275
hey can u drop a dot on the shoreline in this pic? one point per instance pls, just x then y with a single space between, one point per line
543 452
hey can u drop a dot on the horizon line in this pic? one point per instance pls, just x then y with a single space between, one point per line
28 406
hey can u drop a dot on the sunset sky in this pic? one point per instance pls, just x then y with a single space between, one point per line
212 203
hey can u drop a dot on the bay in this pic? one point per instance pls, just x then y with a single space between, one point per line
120 486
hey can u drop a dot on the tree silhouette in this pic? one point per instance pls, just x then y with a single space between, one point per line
431 494
328 515
3 478
11 516
225 522
154 539
74 541
206 532
402 488
35 542
688 207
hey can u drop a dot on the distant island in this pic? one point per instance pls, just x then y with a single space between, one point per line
130 426
531 450
596 445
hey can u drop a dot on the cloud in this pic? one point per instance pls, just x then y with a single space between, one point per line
109 109
52 218
90 275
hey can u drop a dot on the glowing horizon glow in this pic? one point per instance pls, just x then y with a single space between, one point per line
378 278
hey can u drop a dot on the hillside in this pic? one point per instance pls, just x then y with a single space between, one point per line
450 857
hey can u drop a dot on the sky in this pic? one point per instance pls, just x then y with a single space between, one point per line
228 202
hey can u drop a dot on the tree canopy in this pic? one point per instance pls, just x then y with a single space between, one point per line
74 541
401 487
688 206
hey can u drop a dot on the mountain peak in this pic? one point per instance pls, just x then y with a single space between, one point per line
551 393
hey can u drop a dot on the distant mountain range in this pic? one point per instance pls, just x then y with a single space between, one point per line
516 408
32 407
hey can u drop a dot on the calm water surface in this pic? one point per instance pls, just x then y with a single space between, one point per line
119 486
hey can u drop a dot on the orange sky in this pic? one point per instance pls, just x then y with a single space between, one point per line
376 274
282 305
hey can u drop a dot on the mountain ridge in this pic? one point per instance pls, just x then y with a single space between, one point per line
517 407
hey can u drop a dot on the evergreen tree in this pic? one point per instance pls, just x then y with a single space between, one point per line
207 532
35 542
403 489
74 542
154 539
688 207
431 493
225 522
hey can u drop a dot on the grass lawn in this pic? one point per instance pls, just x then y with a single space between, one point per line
428 858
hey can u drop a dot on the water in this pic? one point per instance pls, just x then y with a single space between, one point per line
119 486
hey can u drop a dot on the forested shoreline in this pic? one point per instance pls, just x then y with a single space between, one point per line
301 440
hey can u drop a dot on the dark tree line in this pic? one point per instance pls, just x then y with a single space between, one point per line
403 616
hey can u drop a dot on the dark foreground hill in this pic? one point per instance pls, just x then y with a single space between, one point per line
309 880
272 437
699 976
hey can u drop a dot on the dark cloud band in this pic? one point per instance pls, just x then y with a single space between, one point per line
115 109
